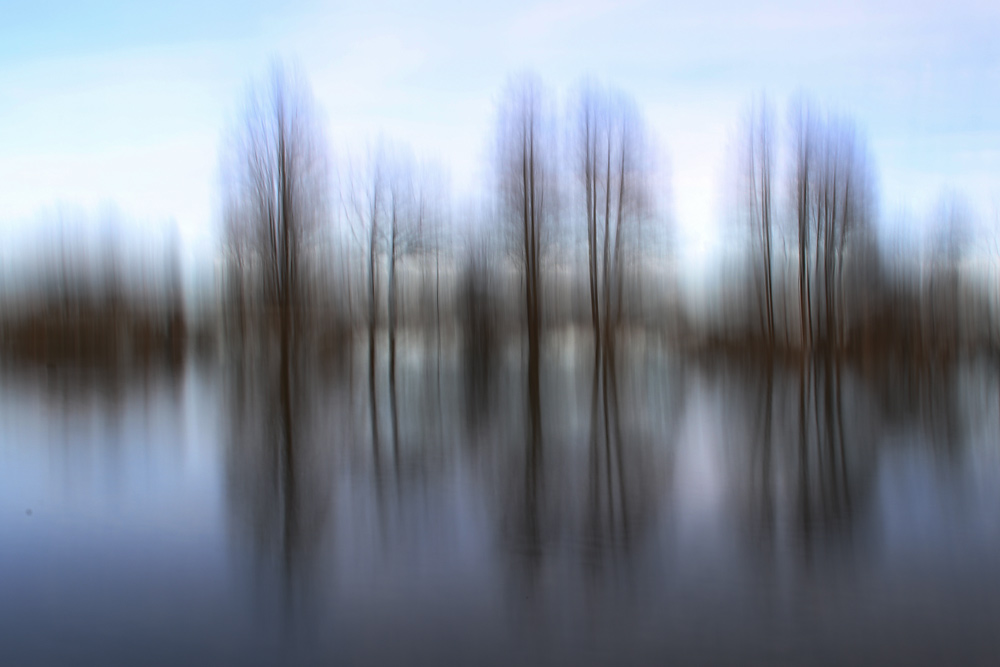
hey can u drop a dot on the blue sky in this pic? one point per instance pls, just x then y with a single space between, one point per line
127 103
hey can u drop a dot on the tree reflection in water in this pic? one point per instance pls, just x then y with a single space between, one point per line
576 509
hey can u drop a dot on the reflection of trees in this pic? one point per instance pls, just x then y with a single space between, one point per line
388 211
607 515
75 385
275 201
924 397
278 477
808 465
817 433
90 407
482 349
823 495
614 169
527 191
585 500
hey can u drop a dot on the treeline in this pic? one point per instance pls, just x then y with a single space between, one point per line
568 235
80 291
819 277
572 235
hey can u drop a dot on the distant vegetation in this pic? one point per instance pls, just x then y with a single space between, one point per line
316 256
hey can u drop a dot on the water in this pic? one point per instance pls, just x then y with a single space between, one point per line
696 512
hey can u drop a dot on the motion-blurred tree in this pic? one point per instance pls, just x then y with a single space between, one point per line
834 202
613 163
759 176
527 194
276 195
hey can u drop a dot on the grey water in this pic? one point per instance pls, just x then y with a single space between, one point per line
666 510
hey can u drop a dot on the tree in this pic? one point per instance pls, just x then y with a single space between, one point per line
276 195
802 128
367 203
612 161
413 213
591 115
759 176
527 192
834 197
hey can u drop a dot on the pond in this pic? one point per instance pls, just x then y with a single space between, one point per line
662 510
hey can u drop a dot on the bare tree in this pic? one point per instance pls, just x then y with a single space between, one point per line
834 197
612 161
803 156
413 216
276 200
366 197
844 209
276 195
759 176
527 191
401 217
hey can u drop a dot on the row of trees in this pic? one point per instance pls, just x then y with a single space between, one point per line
282 211
279 190
380 238
566 235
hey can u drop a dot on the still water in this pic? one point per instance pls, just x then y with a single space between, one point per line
668 510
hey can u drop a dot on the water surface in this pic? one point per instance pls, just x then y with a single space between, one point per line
725 512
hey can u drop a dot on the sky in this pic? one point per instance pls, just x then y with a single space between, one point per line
124 105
